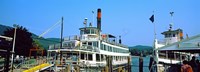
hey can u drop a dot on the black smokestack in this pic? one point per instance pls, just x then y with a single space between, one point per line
99 19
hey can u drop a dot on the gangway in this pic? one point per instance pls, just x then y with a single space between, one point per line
39 67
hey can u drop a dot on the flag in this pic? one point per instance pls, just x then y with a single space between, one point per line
152 18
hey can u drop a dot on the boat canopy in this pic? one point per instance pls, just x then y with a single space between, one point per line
191 45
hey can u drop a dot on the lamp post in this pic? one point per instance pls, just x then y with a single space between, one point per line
13 48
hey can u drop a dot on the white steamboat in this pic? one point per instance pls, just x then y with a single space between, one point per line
90 48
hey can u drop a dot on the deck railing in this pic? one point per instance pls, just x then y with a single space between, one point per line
74 37
115 43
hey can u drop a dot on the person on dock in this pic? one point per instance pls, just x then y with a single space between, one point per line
198 65
193 64
186 67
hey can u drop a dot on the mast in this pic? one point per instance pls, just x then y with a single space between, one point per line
61 39
92 17
155 51
171 13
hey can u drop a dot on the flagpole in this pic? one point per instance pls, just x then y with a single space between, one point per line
155 43
154 28
155 49
93 17
172 20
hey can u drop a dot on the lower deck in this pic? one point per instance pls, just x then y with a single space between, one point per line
92 59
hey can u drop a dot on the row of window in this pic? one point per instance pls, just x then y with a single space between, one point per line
90 57
112 49
89 31
106 47
170 35
95 43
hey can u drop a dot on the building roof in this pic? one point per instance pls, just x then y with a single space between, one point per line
172 31
191 44
88 28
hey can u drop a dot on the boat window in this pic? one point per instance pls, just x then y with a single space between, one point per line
82 32
84 43
82 56
114 49
95 31
90 43
89 56
101 46
174 35
87 31
102 58
111 49
95 44
92 31
97 57
104 47
170 35
108 48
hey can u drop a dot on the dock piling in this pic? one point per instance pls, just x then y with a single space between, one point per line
141 64
129 64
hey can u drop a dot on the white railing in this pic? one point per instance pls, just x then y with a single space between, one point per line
89 48
115 43
74 37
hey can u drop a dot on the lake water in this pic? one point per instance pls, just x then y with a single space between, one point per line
135 64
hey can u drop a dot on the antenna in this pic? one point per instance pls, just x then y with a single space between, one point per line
171 13
170 27
85 22
92 17
120 41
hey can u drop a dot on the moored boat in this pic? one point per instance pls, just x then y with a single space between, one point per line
89 49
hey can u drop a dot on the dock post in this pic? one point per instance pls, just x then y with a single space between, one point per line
129 64
106 69
77 69
123 70
103 70
119 69
109 63
141 64
67 69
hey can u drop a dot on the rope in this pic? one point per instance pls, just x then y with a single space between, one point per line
50 28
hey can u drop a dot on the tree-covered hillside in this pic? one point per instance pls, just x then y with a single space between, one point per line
45 42
3 28
137 50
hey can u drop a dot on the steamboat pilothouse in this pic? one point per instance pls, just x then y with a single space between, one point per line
90 48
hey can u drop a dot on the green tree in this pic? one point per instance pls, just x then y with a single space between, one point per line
23 41
37 44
